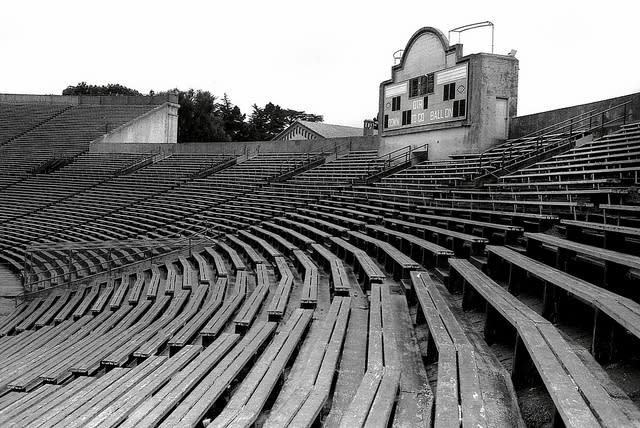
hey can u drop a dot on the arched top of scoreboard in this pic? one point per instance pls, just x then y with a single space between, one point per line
427 51
439 35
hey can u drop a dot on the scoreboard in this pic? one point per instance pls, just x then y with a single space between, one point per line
427 99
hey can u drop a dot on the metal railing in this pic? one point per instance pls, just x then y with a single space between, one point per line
392 160
565 134
67 280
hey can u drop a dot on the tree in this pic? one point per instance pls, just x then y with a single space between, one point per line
267 122
83 88
199 119
202 119
233 120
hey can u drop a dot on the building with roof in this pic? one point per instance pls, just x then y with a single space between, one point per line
305 130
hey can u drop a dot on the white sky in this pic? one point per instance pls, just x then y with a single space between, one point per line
325 57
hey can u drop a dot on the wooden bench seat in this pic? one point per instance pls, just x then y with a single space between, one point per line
339 279
281 243
331 207
148 376
581 163
462 244
154 283
328 213
113 408
205 272
326 226
548 183
190 276
299 240
613 236
69 309
552 206
312 388
221 267
379 211
614 171
244 406
425 252
457 382
305 229
58 367
103 297
494 216
619 270
492 231
215 325
373 402
266 247
365 268
248 311
86 302
191 329
278 303
394 260
622 311
309 296
161 312
48 316
91 359
201 399
171 321
254 257
28 321
137 288
60 405
151 411
174 278
578 396
121 291
236 261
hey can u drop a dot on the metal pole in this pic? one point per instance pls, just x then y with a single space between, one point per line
492 29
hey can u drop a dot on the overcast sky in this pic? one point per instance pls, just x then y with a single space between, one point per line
325 57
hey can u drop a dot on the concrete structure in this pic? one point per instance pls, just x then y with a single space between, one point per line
523 125
305 130
248 147
454 103
157 126
75 100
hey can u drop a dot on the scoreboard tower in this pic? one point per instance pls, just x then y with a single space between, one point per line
455 103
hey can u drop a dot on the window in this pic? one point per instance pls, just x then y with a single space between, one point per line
459 108
406 117
414 87
449 92
425 103
395 103
430 80
386 120
422 85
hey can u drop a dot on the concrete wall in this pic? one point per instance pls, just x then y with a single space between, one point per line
86 99
158 126
297 146
491 77
441 143
523 125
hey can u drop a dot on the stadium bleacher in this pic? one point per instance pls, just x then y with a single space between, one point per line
305 289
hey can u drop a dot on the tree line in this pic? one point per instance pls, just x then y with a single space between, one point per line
204 117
